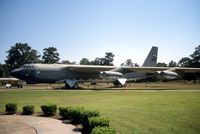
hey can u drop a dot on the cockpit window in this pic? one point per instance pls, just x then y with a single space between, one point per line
27 66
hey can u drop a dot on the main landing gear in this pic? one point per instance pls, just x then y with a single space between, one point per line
120 82
71 84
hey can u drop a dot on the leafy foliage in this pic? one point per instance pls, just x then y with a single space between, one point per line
185 62
78 115
50 55
85 61
107 60
103 130
65 112
129 63
159 64
98 61
196 57
11 108
21 54
49 110
85 118
75 114
98 122
68 62
28 110
72 113
193 61
172 64
4 72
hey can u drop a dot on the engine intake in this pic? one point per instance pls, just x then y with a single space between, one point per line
110 74
167 75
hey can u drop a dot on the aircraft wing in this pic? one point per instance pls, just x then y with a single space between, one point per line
186 70
89 68
8 79
145 69
155 69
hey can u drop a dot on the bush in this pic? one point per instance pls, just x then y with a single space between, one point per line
11 108
78 115
85 118
103 130
49 110
28 110
98 122
88 118
65 112
75 114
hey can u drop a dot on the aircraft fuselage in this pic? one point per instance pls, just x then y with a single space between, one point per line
50 73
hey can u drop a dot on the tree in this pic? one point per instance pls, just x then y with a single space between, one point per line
196 57
4 72
67 62
21 54
109 58
185 62
129 63
50 55
172 64
159 64
85 61
98 61
194 61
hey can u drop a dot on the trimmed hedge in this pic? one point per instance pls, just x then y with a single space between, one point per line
11 108
49 110
85 118
98 122
65 112
78 115
75 114
28 110
103 130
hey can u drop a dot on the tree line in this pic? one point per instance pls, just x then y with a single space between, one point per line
192 61
22 53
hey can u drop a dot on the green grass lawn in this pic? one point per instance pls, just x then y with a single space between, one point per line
129 111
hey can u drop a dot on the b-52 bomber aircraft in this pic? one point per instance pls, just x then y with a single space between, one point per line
71 75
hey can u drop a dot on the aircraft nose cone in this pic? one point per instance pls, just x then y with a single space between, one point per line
15 72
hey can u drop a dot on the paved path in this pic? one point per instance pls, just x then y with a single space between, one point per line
17 124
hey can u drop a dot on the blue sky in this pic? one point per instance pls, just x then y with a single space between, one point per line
89 28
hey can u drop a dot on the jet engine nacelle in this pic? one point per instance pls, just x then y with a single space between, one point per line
110 74
167 75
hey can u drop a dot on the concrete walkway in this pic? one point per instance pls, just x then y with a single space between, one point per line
17 124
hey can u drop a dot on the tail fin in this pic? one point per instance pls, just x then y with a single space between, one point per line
151 59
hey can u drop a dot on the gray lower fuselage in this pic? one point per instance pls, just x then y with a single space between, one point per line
37 74
51 73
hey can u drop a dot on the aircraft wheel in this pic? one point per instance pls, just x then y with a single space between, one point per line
67 86
76 86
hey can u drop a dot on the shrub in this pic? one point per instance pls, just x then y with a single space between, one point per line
65 112
103 130
11 108
98 122
27 110
49 110
78 115
85 118
75 114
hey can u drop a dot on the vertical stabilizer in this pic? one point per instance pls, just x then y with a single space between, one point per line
151 59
